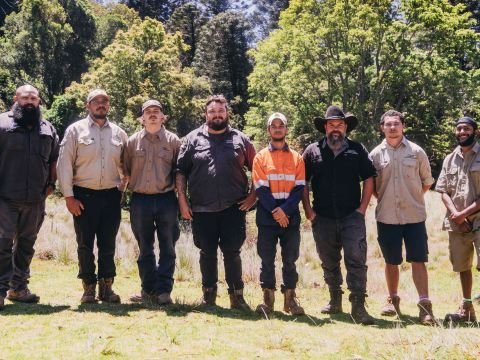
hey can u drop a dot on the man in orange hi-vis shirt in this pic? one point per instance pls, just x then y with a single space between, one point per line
279 178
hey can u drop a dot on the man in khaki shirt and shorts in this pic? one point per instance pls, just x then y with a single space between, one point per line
149 161
404 176
459 184
91 177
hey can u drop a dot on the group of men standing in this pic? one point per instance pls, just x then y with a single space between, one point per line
204 178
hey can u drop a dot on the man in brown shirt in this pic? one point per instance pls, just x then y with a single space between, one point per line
459 184
149 163
91 177
404 176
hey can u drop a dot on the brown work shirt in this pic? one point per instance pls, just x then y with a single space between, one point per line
460 179
402 173
150 160
91 156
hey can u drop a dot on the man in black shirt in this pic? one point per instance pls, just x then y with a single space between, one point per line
213 160
28 155
335 167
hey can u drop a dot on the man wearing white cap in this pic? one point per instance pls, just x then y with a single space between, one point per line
150 158
91 179
279 178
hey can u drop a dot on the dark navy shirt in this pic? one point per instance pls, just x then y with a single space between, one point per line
215 166
25 158
335 180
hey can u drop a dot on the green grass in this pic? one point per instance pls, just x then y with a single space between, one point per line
59 328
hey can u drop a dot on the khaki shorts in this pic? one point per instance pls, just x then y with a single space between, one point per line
462 248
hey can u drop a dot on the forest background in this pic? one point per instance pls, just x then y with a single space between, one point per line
421 57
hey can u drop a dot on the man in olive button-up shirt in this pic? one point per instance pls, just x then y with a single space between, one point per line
91 179
149 162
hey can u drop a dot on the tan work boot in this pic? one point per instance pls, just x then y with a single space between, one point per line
164 299
290 304
392 307
88 296
359 313
268 301
105 291
2 302
238 302
425 314
24 296
335 304
465 313
144 297
209 296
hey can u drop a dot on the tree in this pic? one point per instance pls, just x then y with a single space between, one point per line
6 8
155 9
472 6
222 57
141 63
188 20
267 14
367 58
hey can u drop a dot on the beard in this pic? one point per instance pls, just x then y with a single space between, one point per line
467 142
335 140
216 125
26 116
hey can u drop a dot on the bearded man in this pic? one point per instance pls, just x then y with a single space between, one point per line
212 162
28 156
459 184
335 166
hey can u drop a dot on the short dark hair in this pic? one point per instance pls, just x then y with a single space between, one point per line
392 113
216 98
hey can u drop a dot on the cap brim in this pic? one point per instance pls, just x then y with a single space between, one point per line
350 120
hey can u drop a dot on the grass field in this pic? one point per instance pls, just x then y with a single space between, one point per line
59 328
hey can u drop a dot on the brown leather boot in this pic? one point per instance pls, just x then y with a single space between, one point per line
359 313
23 295
291 304
88 296
105 291
2 302
164 299
335 304
425 314
238 302
209 296
465 313
392 307
268 300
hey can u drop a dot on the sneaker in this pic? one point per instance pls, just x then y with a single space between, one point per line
392 307
23 295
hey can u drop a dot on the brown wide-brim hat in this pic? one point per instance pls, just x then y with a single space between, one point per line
335 113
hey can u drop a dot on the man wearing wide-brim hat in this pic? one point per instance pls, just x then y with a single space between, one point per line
335 166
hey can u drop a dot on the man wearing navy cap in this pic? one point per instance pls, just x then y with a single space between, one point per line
459 184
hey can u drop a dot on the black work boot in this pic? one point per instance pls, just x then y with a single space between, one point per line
209 296
335 304
238 302
105 291
359 313
88 296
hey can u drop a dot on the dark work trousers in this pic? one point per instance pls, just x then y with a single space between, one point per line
19 226
226 229
268 237
150 213
100 218
349 234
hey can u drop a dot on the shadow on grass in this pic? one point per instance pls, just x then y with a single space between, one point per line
183 309
32 309
380 323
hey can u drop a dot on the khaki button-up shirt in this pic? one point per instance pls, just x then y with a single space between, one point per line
460 179
402 173
91 156
150 161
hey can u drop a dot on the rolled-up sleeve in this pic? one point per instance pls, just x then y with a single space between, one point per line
184 160
441 186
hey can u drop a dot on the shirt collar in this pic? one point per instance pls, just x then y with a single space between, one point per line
205 132
284 148
93 123
386 145
160 134
475 149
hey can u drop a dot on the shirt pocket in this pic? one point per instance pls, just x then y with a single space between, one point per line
202 152
452 178
86 147
410 168
116 149
45 146
16 141
475 176
166 155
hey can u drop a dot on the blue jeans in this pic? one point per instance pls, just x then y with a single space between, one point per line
268 237
347 234
150 213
